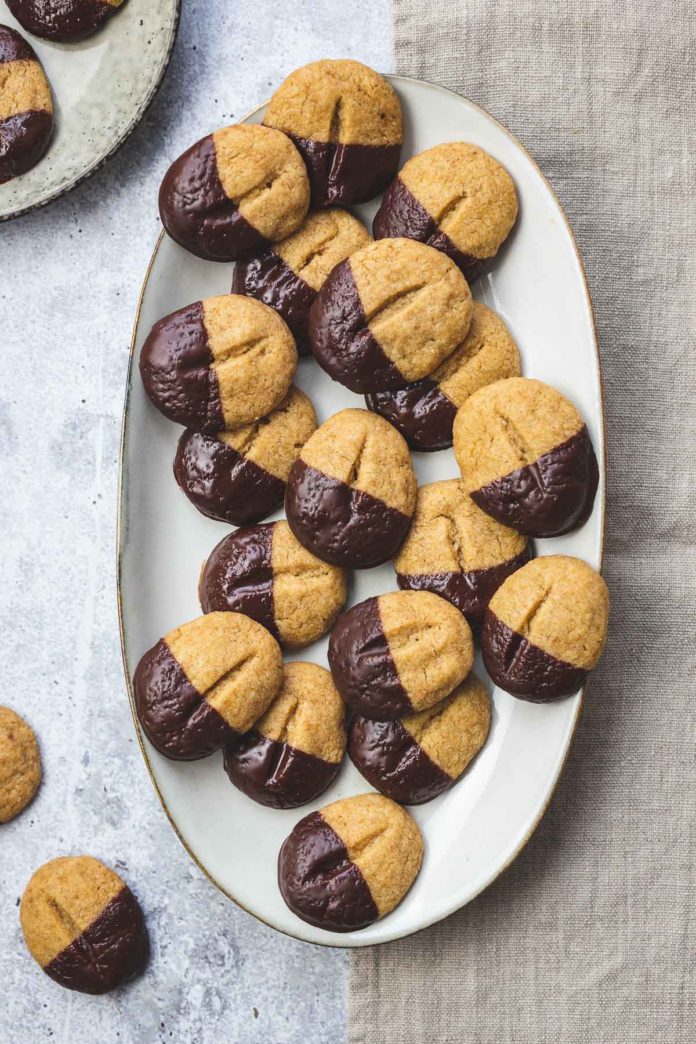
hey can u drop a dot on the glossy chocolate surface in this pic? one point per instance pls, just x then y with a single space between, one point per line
196 212
176 719
238 576
362 666
23 140
344 175
341 339
175 365
550 497
13 46
270 280
64 20
112 950
522 668
319 882
420 411
392 762
276 774
341 525
222 483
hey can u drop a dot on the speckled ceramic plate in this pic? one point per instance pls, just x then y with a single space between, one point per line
101 90
476 829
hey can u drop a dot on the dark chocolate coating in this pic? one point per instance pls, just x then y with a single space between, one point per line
222 483
470 592
270 280
176 719
276 774
63 20
342 341
522 668
400 214
362 666
196 212
342 526
175 365
392 762
550 497
344 175
13 46
420 411
319 882
238 576
112 950
24 137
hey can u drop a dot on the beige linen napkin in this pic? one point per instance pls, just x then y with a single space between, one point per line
589 937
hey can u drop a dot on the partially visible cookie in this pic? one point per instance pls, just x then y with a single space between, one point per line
399 653
265 572
234 192
414 759
424 412
26 106
83 925
20 764
456 198
346 121
289 275
205 683
352 490
457 551
389 315
218 364
295 750
350 863
64 20
239 476
526 458
545 628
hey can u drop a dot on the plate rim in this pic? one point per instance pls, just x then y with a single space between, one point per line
102 160
339 943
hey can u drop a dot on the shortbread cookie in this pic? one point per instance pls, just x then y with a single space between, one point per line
526 457
346 121
20 764
545 628
350 863
26 106
63 20
295 750
352 491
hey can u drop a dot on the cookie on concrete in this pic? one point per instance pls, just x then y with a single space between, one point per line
66 21
20 764
26 106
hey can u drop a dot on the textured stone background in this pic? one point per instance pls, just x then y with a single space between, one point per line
69 282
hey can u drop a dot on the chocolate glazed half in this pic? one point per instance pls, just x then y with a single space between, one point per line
176 719
344 175
389 758
238 576
421 412
362 666
65 20
270 280
113 949
341 525
342 341
522 668
24 137
319 882
276 774
552 496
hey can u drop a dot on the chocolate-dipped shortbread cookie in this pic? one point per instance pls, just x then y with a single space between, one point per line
295 750
239 476
352 491
83 925
20 764
424 412
265 572
289 275
219 363
454 197
416 758
206 682
526 457
389 315
350 863
63 20
457 551
346 121
234 192
399 653
545 628
26 106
